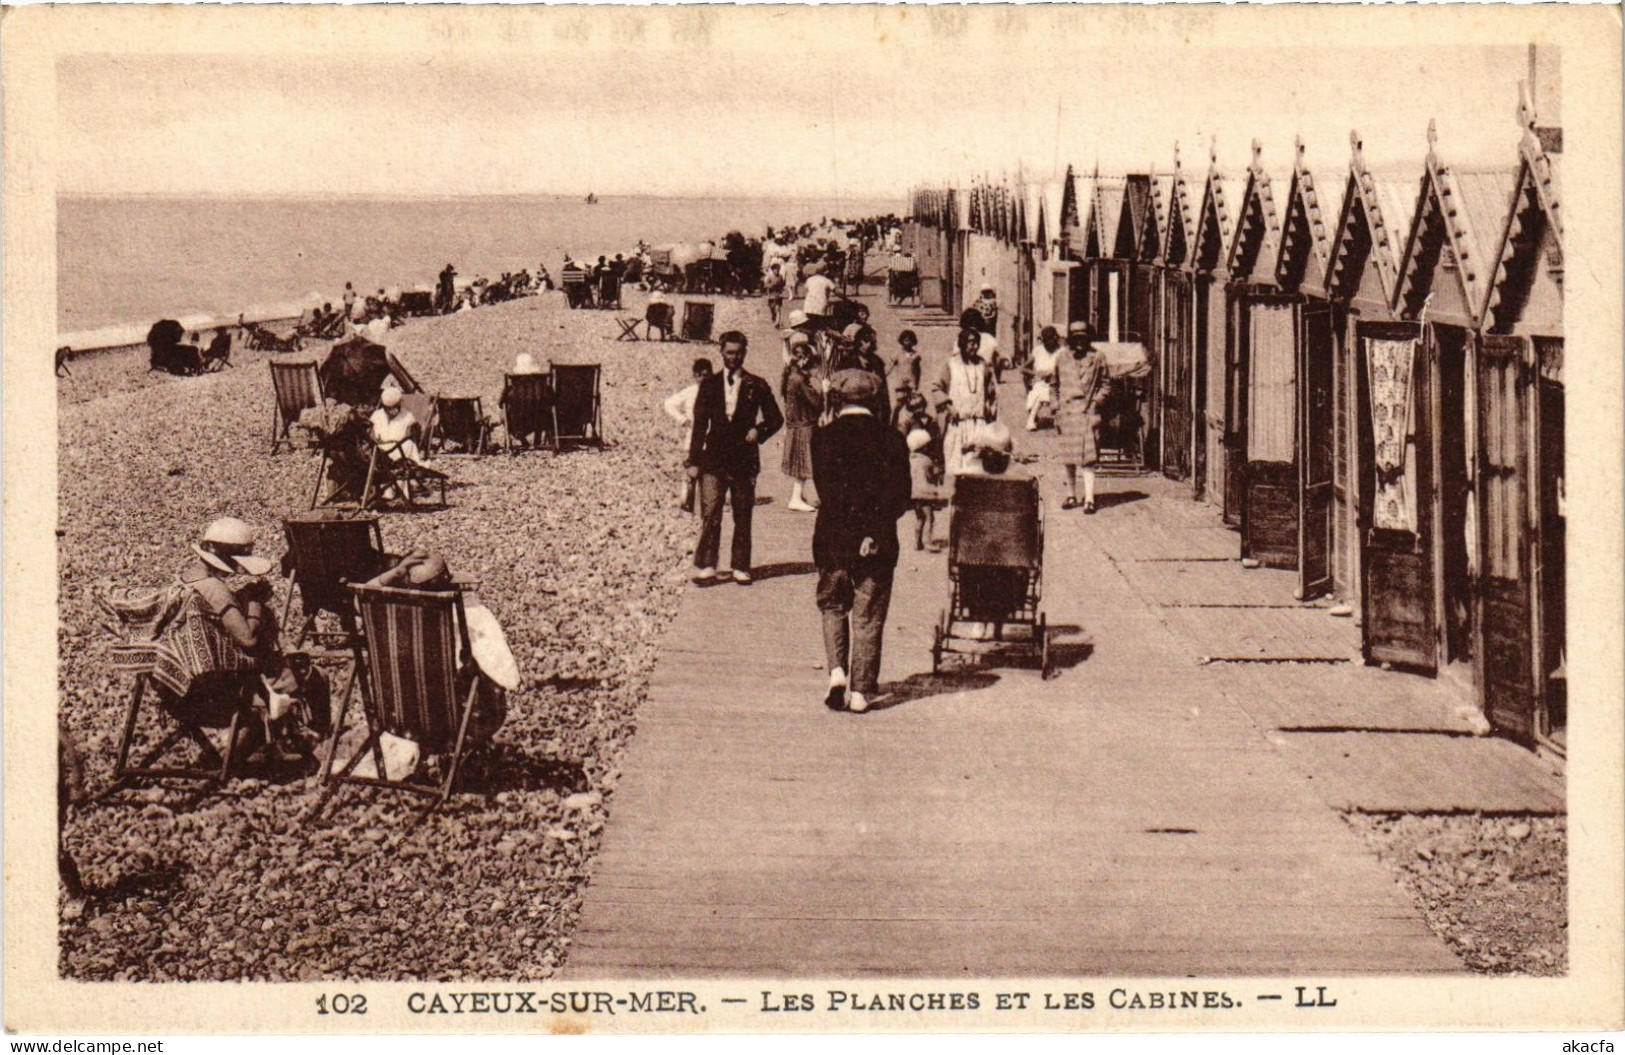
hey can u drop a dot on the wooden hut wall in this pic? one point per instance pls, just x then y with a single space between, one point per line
1522 621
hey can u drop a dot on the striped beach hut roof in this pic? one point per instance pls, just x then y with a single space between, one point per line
1032 207
1529 252
1054 192
1458 212
1305 256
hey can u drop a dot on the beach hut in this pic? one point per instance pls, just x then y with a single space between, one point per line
1209 261
1052 295
1521 621
1260 473
1422 550
1180 203
1363 276
1301 265
1107 275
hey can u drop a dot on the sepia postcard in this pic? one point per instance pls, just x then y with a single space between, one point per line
812 519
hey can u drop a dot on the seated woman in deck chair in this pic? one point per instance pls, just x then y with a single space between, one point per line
203 644
491 665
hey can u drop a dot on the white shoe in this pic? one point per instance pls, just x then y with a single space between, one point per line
743 578
705 575
801 507
856 702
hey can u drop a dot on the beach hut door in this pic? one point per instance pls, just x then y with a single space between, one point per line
1505 608
1315 426
1270 477
1398 601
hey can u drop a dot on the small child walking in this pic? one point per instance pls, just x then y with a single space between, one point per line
924 438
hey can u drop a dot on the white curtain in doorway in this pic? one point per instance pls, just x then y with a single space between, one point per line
1391 364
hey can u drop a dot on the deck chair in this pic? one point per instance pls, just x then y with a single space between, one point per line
459 421
411 641
577 404
697 319
527 409
298 388
219 699
629 327
408 383
326 553
609 290
393 477
659 316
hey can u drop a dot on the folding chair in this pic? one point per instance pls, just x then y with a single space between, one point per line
459 420
527 408
609 291
392 476
325 554
298 388
629 327
577 404
697 318
222 698
412 641
408 383
658 317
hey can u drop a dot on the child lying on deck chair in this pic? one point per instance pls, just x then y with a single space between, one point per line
491 663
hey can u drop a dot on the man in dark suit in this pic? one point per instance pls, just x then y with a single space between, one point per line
860 467
734 414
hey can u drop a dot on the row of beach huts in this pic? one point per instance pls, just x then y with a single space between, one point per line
1361 370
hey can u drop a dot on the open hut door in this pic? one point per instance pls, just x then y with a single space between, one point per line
1550 544
1233 411
1399 603
1269 480
1315 434
1506 608
1176 379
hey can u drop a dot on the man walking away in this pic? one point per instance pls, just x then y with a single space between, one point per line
861 470
734 414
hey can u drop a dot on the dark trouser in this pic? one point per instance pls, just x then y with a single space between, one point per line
853 602
741 489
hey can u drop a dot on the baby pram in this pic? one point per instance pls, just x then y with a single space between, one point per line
995 571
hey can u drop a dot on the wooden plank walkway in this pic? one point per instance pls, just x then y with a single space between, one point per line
1125 817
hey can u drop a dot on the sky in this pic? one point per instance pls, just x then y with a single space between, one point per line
773 114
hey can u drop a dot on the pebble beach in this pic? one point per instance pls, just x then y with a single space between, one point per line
581 557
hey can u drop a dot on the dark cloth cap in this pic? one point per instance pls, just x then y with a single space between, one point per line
854 386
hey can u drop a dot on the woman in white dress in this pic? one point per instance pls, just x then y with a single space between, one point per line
965 395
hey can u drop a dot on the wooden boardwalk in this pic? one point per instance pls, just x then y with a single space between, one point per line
1126 817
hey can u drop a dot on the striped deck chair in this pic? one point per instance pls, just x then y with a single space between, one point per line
577 404
527 409
165 640
460 422
413 686
298 388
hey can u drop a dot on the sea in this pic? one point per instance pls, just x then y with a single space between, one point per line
125 262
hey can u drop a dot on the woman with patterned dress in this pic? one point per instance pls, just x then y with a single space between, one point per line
1084 385
803 403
